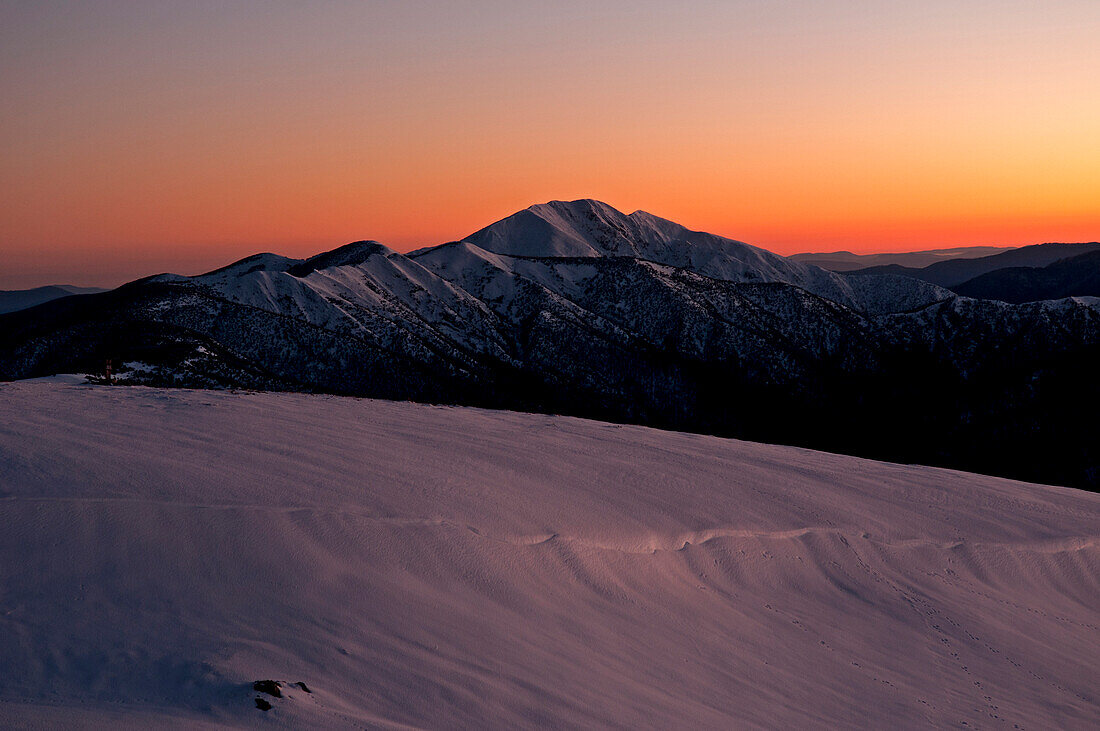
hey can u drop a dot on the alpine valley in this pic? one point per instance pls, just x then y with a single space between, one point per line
576 308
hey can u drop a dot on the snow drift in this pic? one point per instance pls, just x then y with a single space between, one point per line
414 565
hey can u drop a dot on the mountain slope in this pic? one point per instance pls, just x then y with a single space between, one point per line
1072 277
429 567
956 271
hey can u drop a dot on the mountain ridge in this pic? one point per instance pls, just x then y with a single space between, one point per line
1073 276
13 300
845 261
957 271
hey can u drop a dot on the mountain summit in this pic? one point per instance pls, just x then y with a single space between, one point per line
587 228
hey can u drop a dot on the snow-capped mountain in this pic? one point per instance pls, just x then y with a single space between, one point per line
589 228
578 308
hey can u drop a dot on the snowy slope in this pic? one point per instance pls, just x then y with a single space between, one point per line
362 289
449 567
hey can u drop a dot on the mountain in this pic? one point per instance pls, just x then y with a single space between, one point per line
588 229
20 299
395 565
1075 276
846 261
956 271
576 308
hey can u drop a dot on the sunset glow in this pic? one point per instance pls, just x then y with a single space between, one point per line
148 136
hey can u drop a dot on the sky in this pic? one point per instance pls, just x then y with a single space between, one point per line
149 136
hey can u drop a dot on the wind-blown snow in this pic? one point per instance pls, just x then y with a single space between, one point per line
160 550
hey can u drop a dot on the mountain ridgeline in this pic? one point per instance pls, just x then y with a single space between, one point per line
846 261
21 299
954 273
576 308
1075 276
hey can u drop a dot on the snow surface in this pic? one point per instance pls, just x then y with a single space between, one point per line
455 567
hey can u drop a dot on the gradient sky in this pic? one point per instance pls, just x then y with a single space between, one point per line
148 136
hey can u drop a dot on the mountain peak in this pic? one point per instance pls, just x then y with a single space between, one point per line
568 229
351 254
256 262
581 206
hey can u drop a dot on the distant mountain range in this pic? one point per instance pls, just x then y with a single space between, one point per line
955 272
577 308
1077 275
20 299
846 261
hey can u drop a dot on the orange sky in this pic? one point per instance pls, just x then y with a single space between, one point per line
149 136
